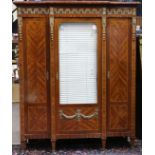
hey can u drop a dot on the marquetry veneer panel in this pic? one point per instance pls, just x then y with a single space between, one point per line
37 119
35 69
119 59
119 45
77 126
35 51
118 117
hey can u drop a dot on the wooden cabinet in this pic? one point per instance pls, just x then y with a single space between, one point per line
77 69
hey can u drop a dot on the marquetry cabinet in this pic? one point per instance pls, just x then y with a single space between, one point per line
77 69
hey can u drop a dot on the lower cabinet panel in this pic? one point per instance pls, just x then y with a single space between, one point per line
78 120
118 117
37 119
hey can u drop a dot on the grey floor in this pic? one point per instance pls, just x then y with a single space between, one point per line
15 124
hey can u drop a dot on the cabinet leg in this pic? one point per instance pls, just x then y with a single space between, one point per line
53 143
129 139
132 142
103 143
23 145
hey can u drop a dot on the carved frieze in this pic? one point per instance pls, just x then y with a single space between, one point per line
121 11
78 11
97 11
33 10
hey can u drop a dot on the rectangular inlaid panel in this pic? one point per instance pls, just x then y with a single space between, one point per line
37 119
118 117
35 55
119 48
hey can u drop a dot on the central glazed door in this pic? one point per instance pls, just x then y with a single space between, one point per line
78 77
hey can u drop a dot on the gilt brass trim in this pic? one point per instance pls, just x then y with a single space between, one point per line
51 29
121 11
33 10
78 11
20 25
133 28
78 115
104 27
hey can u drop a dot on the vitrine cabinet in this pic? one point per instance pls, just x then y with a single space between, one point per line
77 69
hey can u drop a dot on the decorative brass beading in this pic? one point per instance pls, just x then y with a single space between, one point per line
51 27
78 11
103 27
99 11
121 11
20 24
51 11
78 115
133 28
33 10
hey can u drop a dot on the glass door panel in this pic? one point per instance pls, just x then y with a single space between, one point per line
78 63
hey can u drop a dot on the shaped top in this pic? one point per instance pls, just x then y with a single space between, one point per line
75 2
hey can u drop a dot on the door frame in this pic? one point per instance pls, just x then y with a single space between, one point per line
58 22
98 22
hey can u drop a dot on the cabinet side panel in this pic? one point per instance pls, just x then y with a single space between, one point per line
119 31
35 58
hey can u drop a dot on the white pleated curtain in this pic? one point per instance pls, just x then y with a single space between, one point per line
78 63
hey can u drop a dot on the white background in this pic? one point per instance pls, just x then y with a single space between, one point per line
148 77
5 77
